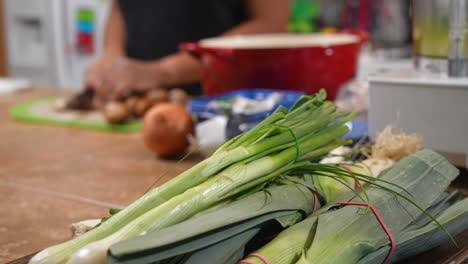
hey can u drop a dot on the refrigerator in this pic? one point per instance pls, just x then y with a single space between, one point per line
52 42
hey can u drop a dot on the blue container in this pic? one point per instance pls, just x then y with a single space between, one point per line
202 109
201 106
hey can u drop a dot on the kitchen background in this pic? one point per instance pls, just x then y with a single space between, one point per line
53 41
51 176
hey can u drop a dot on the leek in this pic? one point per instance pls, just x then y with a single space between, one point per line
410 243
350 233
183 206
235 218
274 146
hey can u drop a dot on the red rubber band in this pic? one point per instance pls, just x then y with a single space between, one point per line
315 203
346 168
377 215
356 184
262 258
384 227
246 262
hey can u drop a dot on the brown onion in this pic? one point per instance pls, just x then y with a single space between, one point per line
157 96
178 96
116 112
141 106
166 128
130 103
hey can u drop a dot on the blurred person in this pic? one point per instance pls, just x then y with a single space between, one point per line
142 36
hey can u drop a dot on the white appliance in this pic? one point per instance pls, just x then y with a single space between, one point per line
52 42
433 107
431 98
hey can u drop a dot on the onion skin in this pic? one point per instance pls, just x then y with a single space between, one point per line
157 96
178 96
141 107
116 112
166 127
130 103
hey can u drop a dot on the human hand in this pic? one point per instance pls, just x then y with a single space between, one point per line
95 76
124 76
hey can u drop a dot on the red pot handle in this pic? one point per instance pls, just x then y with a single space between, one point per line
197 50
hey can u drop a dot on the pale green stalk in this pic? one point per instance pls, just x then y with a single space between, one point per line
200 197
285 140
307 102
347 234
277 115
310 116
288 246
192 177
311 113
324 150
183 206
316 146
230 153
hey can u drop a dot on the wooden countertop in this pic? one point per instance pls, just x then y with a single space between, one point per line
53 176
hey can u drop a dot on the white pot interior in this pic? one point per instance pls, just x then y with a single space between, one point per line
283 40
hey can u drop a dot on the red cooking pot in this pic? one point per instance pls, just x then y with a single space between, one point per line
300 62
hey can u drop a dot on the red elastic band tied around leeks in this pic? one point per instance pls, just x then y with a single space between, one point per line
356 183
246 262
262 258
377 215
314 206
382 223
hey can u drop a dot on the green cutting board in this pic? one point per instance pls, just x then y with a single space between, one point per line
42 111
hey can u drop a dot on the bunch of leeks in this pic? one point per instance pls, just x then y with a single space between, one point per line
219 235
352 234
282 141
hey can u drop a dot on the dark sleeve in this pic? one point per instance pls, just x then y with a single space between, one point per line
156 27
